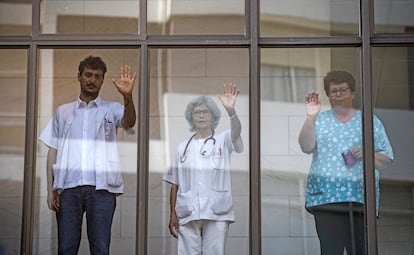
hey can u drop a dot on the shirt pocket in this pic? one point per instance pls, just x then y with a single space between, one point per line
223 202
110 128
315 185
113 173
183 205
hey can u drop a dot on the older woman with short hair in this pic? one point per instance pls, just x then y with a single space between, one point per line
201 199
335 185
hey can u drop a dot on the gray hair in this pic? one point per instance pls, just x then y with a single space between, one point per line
212 106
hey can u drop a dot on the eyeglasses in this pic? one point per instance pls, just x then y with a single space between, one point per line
199 112
341 91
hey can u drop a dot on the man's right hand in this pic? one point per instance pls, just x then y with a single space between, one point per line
53 200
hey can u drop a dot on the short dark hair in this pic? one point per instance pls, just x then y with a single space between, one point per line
94 63
338 77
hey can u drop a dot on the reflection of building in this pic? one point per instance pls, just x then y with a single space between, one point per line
301 41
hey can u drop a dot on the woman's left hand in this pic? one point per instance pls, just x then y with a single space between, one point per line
228 99
356 152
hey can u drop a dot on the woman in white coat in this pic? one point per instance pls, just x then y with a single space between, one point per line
200 199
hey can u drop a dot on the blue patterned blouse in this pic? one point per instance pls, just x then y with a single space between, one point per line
330 180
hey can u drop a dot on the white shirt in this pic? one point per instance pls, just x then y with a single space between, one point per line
82 152
84 136
204 182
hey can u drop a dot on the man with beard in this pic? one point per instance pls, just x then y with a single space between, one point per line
83 168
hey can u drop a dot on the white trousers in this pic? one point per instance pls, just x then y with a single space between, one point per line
203 237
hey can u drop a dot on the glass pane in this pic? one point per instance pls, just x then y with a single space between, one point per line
15 17
177 77
309 18
393 100
13 82
393 16
89 17
298 187
196 17
58 84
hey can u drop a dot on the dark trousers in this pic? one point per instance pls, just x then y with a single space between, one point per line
99 206
340 226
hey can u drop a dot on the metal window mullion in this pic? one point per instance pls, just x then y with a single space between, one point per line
367 26
254 120
35 18
29 156
141 237
26 239
143 19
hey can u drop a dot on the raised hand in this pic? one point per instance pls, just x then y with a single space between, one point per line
126 83
313 104
228 99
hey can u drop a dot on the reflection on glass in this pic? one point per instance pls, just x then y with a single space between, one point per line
297 185
197 17
309 18
393 101
179 76
394 16
97 139
13 81
16 17
89 17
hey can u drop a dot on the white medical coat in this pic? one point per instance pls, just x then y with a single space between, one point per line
204 182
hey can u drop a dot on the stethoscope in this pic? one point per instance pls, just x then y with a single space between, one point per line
203 150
